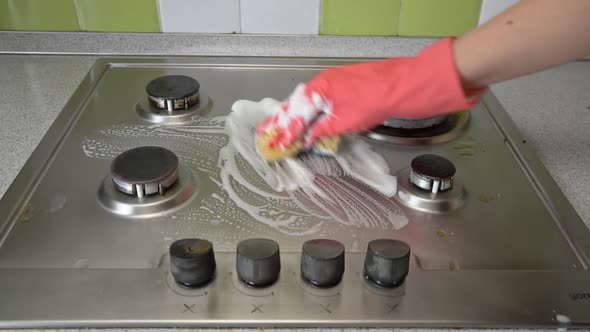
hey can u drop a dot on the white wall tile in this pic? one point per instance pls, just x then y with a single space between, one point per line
205 16
280 16
491 8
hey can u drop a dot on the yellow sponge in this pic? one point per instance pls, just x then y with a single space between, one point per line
327 145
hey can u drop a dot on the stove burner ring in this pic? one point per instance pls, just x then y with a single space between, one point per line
144 171
432 173
414 124
173 92
450 128
417 198
177 195
173 99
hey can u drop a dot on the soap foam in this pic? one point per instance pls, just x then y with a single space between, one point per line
244 195
355 157
353 188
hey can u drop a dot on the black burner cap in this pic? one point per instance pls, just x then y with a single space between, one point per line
433 166
172 87
143 165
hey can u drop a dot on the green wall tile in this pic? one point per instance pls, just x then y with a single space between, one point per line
438 17
118 15
355 17
38 15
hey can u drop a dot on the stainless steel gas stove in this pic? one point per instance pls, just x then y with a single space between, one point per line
133 211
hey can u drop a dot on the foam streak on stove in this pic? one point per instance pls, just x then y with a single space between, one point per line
355 157
245 197
354 162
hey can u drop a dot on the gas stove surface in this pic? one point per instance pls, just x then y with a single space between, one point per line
135 210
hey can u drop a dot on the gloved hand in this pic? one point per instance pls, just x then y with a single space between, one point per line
355 98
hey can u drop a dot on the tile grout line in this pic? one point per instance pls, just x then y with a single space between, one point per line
480 13
78 15
399 17
160 20
320 16
479 16
240 16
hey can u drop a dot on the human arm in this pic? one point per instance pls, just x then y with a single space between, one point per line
446 77
528 37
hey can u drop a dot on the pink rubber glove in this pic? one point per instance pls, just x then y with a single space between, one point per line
355 98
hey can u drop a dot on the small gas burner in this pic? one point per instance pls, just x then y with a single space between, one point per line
172 99
173 92
146 170
421 132
430 185
433 173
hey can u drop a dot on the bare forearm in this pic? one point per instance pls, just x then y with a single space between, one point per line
531 36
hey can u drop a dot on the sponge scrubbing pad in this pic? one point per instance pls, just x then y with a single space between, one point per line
326 146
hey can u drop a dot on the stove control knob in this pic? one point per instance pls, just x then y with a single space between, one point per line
258 262
192 262
387 262
432 172
322 262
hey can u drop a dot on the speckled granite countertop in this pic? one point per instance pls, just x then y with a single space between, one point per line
551 109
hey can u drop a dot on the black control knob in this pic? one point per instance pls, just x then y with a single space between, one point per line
322 262
258 262
192 262
387 262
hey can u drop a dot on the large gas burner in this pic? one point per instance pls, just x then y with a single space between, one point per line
414 123
146 181
421 132
146 170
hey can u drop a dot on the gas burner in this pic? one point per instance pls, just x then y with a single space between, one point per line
421 132
433 173
429 185
145 171
173 92
414 124
145 181
172 99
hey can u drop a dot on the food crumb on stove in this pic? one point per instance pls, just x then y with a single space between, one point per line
26 212
441 233
486 198
82 264
467 152
454 265
465 148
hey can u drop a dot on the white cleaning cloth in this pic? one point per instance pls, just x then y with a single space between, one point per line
354 157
